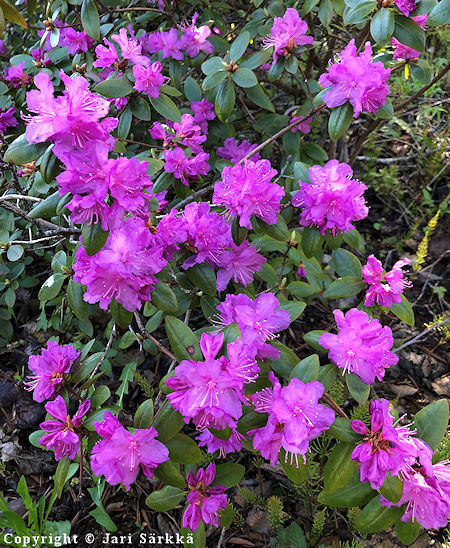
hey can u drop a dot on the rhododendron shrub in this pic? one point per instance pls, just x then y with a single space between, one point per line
187 187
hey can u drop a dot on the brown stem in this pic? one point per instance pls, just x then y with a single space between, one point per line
282 132
160 346
334 405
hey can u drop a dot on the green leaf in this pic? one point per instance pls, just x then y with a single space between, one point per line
311 241
295 309
184 343
403 311
60 476
85 368
126 376
115 88
255 60
12 15
354 493
184 450
194 539
165 499
78 305
301 172
166 107
124 125
20 151
100 395
202 276
140 108
359 13
192 90
90 19
325 12
328 375
375 518
228 474
51 287
169 473
345 263
14 253
422 71
46 208
168 422
227 515
312 338
339 467
297 471
340 120
121 316
34 438
440 14
431 423
3 88
386 112
407 533
49 166
308 5
307 370
239 46
344 287
392 488
279 230
382 26
358 389
342 430
214 79
144 414
291 64
301 289
409 33
259 97
244 78
93 238
225 99
164 298
212 65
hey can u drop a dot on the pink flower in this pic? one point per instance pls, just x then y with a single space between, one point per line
195 39
355 78
386 447
120 454
246 190
3 49
204 501
149 79
50 370
61 432
332 201
213 444
426 493
171 46
239 263
234 153
208 234
183 168
130 49
206 391
70 120
362 345
295 418
203 111
303 127
76 42
189 133
16 76
406 6
286 34
124 269
7 119
385 288
405 52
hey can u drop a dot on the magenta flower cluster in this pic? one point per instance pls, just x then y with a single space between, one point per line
287 33
332 200
357 79
385 288
388 447
362 345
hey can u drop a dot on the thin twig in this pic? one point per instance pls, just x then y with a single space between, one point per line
417 337
20 197
160 346
334 405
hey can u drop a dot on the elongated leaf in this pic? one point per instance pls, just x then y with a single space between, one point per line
115 88
225 99
166 107
348 286
342 430
407 532
20 151
228 474
144 414
358 390
184 343
392 488
165 499
74 294
90 19
11 14
440 14
51 287
339 467
164 298
259 97
239 46
374 517
168 422
382 26
203 276
345 263
94 238
340 120
359 13
307 370
169 473
294 468
431 423
403 311
409 33
244 78
354 493
184 450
